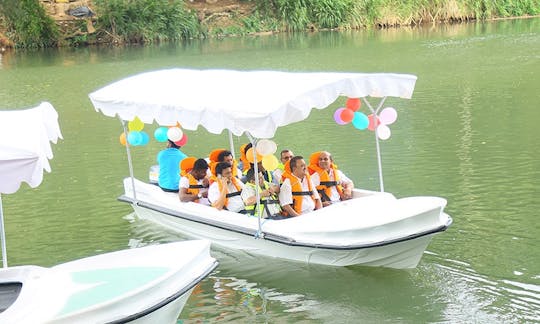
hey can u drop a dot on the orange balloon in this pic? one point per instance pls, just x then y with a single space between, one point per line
347 115
249 155
123 139
353 103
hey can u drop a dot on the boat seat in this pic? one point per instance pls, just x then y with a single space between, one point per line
9 292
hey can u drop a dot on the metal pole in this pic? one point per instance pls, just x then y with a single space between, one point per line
256 175
379 162
129 160
231 142
4 249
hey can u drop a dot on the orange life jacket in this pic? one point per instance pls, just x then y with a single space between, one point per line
243 158
296 188
186 165
194 186
325 185
231 194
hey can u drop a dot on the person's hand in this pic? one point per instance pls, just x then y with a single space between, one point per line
205 183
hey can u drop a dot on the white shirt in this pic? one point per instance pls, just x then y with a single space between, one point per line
249 191
235 203
276 176
334 194
184 183
286 198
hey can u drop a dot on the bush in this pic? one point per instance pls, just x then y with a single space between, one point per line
27 23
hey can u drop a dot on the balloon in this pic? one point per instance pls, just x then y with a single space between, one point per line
160 134
383 132
265 147
353 103
182 141
145 138
360 120
347 115
270 162
123 139
134 138
337 116
174 134
373 123
135 125
388 116
249 155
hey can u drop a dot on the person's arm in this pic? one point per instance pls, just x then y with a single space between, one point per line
183 191
316 197
347 185
220 201
290 210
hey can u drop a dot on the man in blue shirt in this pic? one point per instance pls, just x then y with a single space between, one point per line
169 167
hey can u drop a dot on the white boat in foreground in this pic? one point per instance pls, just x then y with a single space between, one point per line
373 228
142 285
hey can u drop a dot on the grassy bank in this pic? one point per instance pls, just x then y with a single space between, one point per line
25 24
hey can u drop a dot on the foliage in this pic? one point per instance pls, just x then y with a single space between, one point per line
27 24
146 20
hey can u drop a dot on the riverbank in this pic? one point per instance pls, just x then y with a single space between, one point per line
88 22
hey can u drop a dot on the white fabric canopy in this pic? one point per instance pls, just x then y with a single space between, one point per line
25 148
257 102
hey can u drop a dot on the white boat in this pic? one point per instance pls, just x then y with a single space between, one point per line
141 285
372 229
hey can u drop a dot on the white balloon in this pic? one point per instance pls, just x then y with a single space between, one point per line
383 132
388 115
175 134
266 147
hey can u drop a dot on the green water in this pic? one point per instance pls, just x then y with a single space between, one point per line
469 134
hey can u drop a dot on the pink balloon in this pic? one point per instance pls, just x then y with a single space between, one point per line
337 116
388 115
182 141
373 122
383 132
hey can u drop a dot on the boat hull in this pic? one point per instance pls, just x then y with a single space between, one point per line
404 250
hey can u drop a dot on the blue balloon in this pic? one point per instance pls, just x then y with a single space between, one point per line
135 138
160 134
145 138
360 120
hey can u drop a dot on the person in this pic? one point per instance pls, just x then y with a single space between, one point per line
285 156
297 194
169 167
227 156
225 191
194 184
332 184
269 204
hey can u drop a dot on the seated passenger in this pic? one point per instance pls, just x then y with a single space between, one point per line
224 193
226 156
269 204
194 182
332 184
286 155
169 167
297 194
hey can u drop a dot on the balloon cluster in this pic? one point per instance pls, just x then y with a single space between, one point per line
264 150
136 136
174 134
379 124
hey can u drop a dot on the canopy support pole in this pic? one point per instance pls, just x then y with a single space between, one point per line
231 142
253 142
129 160
379 162
3 238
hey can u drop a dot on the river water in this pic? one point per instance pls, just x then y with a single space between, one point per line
469 134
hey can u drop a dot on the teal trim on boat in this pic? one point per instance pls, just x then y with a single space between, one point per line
107 284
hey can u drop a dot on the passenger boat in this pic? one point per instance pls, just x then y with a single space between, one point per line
142 285
374 228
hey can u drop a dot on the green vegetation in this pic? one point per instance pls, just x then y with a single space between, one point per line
27 24
146 21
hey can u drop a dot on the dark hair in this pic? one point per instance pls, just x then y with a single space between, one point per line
247 147
293 161
172 144
200 164
284 151
222 166
250 175
221 156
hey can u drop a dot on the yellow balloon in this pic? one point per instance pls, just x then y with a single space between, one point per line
270 162
136 125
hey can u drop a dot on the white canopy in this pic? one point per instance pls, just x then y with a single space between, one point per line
25 148
257 102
